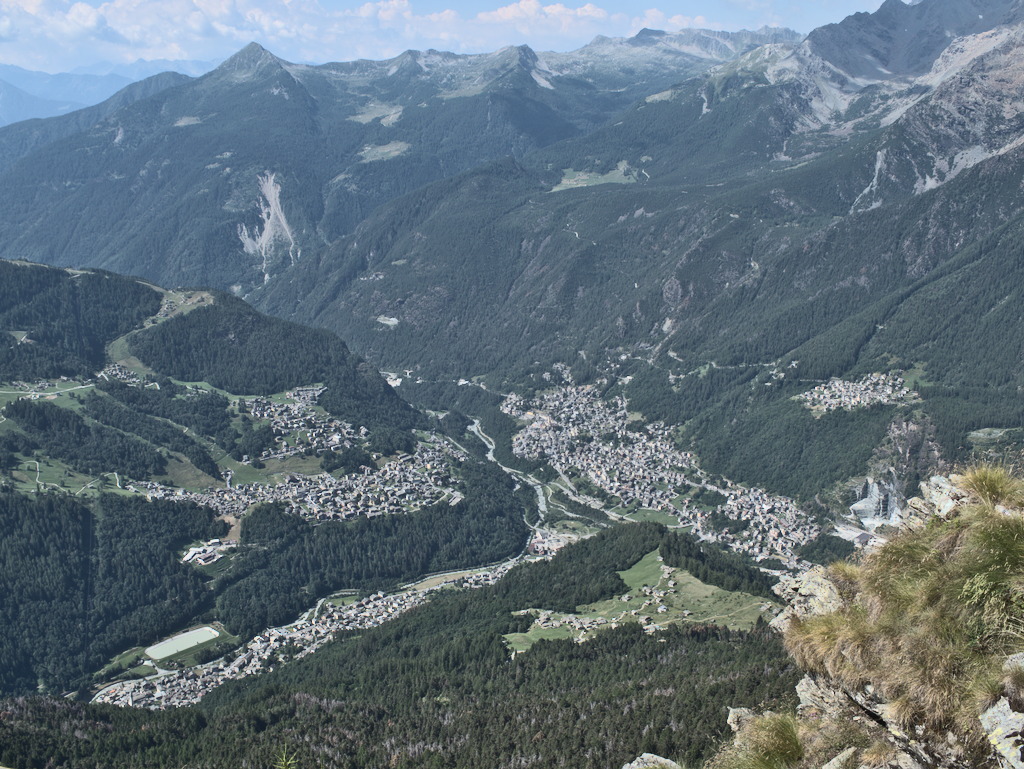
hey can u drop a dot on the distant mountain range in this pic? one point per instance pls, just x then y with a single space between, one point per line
297 155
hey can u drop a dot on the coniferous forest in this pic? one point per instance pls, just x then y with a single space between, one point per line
454 695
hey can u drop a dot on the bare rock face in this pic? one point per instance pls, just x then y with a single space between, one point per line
805 595
818 698
651 761
843 761
739 717
1004 726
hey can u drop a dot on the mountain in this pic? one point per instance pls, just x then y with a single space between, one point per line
334 142
140 69
28 136
80 88
787 218
16 104
63 323
721 238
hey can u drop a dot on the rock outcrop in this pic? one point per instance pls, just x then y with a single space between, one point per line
651 761
823 701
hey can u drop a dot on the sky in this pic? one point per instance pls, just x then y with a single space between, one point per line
59 35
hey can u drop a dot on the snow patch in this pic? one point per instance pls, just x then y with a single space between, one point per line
261 243
186 121
389 322
119 136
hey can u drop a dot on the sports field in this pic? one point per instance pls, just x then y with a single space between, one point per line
180 643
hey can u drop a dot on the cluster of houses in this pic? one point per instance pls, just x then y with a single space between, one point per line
407 483
872 389
115 372
578 432
548 542
299 426
276 646
776 527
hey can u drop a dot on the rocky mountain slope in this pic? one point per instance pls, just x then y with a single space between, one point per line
768 176
910 652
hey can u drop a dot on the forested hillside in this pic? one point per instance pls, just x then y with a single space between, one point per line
234 348
454 696
54 323
82 581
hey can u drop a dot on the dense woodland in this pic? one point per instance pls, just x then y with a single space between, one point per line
80 582
85 446
715 566
202 411
234 348
63 320
158 432
454 697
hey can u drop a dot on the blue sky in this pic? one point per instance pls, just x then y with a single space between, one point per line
58 35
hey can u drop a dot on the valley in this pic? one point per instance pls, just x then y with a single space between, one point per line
524 408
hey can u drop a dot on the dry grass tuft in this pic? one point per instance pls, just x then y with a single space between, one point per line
995 484
771 741
878 754
929 617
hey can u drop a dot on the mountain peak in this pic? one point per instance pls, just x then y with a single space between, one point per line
249 60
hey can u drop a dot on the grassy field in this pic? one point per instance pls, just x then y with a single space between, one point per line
520 642
219 566
342 600
53 475
297 464
653 516
430 582
185 475
571 179
651 586
575 527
